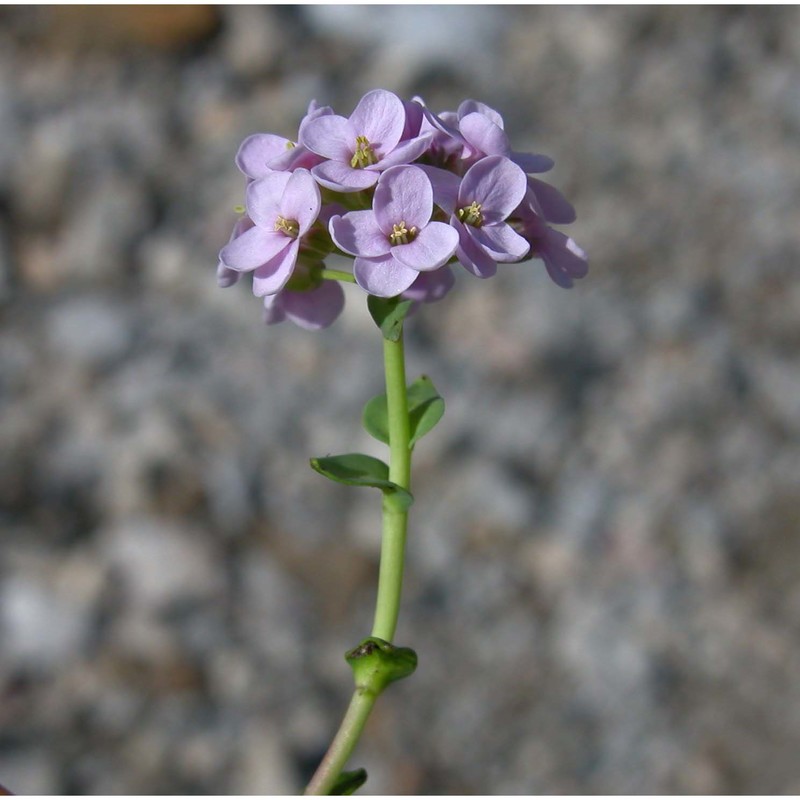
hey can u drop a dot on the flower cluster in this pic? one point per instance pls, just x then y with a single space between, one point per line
405 192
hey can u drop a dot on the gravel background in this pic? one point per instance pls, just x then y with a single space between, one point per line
603 566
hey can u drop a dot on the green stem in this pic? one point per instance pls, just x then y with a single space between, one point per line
337 275
390 578
343 743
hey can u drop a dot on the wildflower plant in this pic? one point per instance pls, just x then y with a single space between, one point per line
408 195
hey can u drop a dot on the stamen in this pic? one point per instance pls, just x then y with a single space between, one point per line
402 235
290 144
364 155
287 226
471 214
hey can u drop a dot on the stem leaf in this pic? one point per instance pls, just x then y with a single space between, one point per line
357 469
349 782
388 314
425 409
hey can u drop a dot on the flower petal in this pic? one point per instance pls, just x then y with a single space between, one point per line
553 205
403 194
404 153
331 136
501 242
257 151
445 187
384 276
431 249
532 162
273 308
359 234
484 135
430 287
473 258
301 199
563 258
497 184
381 117
263 198
476 107
272 276
341 177
315 309
252 249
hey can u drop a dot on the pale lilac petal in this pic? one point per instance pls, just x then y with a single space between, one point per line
403 194
257 151
501 242
225 275
359 234
273 309
431 249
553 205
384 276
381 117
341 177
430 287
414 117
484 135
301 200
315 309
331 136
272 276
445 187
476 107
472 257
252 249
563 258
404 153
292 158
263 198
532 162
497 184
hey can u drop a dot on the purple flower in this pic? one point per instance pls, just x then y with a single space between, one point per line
312 309
564 260
396 240
361 147
487 195
282 206
263 153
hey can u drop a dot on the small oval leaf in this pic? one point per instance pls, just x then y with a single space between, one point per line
425 407
388 314
375 418
357 469
349 782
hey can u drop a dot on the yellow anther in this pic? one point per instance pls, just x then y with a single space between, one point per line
364 154
287 226
402 235
290 144
471 214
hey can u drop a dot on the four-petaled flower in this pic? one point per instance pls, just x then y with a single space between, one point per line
363 146
396 240
282 206
479 205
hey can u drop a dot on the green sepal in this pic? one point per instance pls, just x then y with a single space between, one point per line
357 469
377 663
349 782
425 409
388 314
